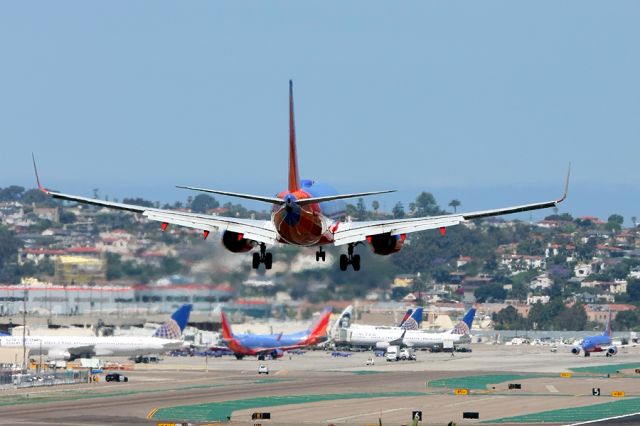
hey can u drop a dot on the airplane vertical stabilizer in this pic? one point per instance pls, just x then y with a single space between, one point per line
414 321
173 327
607 330
294 179
464 326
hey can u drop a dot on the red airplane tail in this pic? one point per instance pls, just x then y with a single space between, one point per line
227 334
294 180
318 331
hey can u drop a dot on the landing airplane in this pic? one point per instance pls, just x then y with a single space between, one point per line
167 337
307 214
599 343
274 345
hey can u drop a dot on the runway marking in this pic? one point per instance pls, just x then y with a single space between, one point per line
151 413
551 388
604 419
474 400
339 419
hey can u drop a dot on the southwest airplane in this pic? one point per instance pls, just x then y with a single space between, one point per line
167 337
274 345
383 337
598 343
307 214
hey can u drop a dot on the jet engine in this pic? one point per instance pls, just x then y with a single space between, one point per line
277 353
385 244
576 350
59 355
382 345
236 243
612 351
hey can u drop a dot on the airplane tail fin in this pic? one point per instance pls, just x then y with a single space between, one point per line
227 334
344 321
173 327
607 330
464 326
406 316
294 180
319 328
414 321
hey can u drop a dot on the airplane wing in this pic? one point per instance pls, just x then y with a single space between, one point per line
353 232
258 230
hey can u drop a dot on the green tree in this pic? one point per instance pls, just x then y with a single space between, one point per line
202 203
454 204
11 193
626 320
398 211
614 223
509 319
361 210
138 202
633 290
375 205
426 205
490 292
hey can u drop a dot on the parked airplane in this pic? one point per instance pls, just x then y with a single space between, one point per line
383 337
599 343
166 338
308 213
274 345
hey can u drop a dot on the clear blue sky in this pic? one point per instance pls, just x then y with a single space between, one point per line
482 101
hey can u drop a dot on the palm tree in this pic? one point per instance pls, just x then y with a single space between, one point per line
375 205
455 204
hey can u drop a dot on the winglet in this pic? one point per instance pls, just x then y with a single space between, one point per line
35 169
566 186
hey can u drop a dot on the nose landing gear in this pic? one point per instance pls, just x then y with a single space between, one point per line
262 257
320 254
350 259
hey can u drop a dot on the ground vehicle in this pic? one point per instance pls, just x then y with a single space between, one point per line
116 377
407 354
370 361
393 353
262 368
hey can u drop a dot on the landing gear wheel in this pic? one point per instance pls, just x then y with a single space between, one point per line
344 262
320 254
350 259
355 261
262 257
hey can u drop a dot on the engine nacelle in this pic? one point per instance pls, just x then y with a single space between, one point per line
59 355
277 353
576 350
385 244
612 351
382 345
236 243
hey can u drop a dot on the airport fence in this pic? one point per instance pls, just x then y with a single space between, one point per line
12 379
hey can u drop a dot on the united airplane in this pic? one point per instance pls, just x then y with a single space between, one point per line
274 345
167 337
307 213
599 343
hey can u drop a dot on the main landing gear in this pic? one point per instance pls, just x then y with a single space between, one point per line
320 254
349 259
262 257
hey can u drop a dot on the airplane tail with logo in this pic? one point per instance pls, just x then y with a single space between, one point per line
343 322
318 331
607 330
406 316
464 326
414 321
173 327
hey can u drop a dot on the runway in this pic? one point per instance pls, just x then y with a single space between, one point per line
317 389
